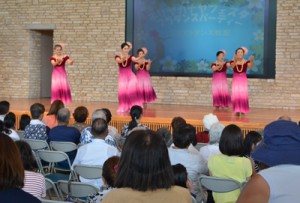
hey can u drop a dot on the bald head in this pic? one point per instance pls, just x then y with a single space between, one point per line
63 116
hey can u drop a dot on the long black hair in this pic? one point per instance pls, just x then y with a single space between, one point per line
135 112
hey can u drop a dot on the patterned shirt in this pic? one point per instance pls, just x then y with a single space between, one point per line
98 197
36 130
34 183
87 137
125 131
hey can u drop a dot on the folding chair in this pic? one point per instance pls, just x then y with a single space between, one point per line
54 157
77 190
220 185
199 145
37 144
88 171
63 146
51 186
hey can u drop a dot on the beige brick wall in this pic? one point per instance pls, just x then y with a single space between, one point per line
93 31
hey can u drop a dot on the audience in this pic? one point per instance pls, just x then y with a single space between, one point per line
181 176
112 131
179 154
166 135
136 113
12 173
109 173
24 121
230 164
251 141
10 126
97 151
145 173
214 138
63 133
34 183
208 120
80 115
50 119
4 109
279 152
36 128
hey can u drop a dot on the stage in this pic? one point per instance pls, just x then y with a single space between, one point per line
160 115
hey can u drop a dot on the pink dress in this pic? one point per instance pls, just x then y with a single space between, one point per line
220 90
127 93
145 88
60 88
240 100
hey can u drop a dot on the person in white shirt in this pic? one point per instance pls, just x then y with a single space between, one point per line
192 161
10 125
97 151
214 138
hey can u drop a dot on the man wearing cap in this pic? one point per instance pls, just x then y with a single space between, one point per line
280 151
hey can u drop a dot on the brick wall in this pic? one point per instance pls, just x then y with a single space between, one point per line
93 31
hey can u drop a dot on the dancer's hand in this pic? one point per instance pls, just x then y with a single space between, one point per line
251 58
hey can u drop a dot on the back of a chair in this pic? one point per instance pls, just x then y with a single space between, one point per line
220 185
88 171
63 146
76 189
199 145
37 144
53 156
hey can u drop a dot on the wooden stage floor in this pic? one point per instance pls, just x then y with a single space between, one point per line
258 117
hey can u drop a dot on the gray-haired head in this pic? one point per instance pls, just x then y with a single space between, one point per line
99 113
215 132
63 115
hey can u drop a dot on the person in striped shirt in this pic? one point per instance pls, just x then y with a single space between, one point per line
34 183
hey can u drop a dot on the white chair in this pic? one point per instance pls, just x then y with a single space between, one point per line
54 157
77 190
63 146
51 186
199 145
88 171
220 185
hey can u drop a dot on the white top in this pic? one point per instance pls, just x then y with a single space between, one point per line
193 162
14 135
34 183
209 150
95 153
283 181
2 117
193 149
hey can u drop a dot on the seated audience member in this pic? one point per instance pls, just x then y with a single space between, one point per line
50 119
176 122
4 109
34 183
214 138
63 133
111 129
97 151
136 113
24 121
36 128
80 115
284 117
87 136
147 181
193 139
10 126
181 176
166 135
208 120
193 162
109 173
230 164
279 152
12 173
251 141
